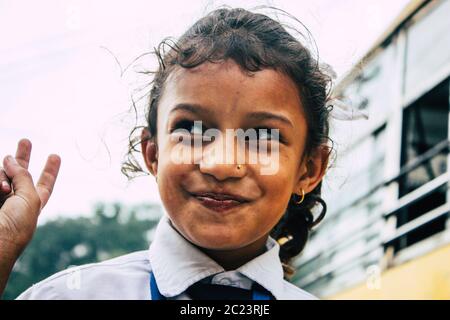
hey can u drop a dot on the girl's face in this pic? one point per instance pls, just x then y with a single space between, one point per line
223 97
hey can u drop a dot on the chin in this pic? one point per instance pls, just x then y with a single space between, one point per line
217 239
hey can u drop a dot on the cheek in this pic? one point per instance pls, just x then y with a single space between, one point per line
275 201
277 191
279 185
170 175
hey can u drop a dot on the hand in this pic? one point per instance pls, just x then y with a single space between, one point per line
21 201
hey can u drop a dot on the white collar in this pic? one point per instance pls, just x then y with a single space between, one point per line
177 263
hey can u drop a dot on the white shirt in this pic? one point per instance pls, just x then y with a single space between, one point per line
176 264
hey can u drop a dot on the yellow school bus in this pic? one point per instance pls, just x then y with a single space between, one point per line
387 230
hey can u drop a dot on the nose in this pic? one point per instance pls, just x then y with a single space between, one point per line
219 160
223 171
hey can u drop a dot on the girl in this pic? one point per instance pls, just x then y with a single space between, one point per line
229 229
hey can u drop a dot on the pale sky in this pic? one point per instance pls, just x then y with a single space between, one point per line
61 89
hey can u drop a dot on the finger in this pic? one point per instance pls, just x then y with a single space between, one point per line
23 152
5 187
22 182
47 179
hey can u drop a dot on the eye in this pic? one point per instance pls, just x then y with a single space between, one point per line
265 133
194 128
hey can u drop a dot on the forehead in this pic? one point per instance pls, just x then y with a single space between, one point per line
225 86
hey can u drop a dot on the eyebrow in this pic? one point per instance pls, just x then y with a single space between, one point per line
263 115
193 108
260 115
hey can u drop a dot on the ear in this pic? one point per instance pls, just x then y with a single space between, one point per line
313 170
149 152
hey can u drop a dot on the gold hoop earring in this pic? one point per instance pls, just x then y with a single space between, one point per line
303 197
283 240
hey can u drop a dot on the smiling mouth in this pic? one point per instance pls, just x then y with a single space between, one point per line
218 203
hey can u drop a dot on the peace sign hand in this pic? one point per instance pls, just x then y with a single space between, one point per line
21 201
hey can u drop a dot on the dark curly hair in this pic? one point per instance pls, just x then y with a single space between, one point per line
255 42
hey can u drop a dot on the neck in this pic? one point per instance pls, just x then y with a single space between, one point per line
233 259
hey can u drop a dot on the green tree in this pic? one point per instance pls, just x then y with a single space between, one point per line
111 231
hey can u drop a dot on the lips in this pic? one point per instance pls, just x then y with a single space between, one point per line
219 201
220 196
